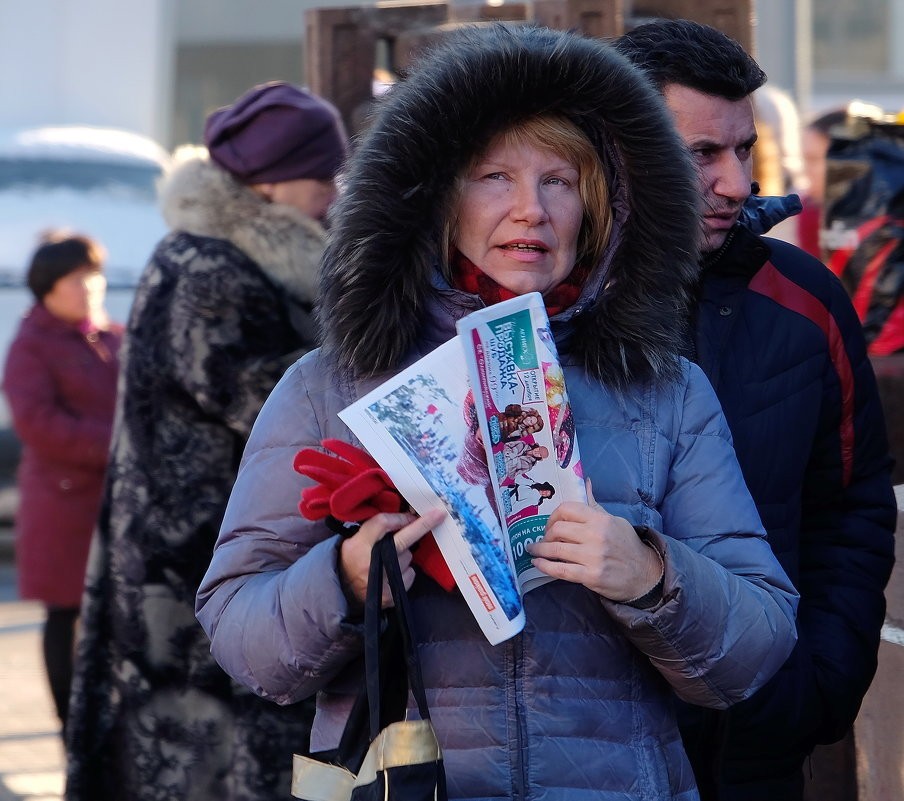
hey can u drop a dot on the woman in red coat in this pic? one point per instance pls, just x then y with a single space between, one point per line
60 380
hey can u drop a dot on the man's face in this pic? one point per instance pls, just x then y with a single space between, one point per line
720 134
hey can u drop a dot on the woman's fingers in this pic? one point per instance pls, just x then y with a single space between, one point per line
405 558
374 529
558 550
566 531
569 521
354 552
584 544
411 533
408 577
354 561
405 538
567 571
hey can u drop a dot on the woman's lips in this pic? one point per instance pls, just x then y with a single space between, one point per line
525 251
526 245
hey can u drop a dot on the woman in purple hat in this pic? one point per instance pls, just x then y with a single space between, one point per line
223 308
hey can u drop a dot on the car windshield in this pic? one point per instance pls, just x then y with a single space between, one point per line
45 174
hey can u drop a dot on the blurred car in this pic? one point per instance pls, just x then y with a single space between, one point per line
96 181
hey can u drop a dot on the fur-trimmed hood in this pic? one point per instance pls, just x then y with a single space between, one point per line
379 275
199 197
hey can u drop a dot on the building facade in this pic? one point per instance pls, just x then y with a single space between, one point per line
159 66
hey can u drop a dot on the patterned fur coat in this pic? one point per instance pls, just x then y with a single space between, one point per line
223 308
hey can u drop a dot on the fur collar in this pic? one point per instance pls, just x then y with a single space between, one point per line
200 198
378 275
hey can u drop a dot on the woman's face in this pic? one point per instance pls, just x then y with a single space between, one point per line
74 296
311 197
519 217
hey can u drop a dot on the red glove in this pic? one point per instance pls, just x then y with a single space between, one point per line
429 558
352 487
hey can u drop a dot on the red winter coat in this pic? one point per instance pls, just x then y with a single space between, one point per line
61 388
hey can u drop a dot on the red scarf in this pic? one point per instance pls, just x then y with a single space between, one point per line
468 277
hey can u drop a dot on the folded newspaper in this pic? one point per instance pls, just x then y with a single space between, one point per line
482 426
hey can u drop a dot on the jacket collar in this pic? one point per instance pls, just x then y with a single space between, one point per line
742 255
40 317
200 198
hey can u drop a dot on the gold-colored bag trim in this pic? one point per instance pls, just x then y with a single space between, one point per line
408 742
319 781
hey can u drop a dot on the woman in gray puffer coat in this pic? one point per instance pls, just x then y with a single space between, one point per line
579 705
223 308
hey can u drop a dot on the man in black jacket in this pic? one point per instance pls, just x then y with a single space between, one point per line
779 339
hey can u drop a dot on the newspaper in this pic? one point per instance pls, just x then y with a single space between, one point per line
435 443
525 421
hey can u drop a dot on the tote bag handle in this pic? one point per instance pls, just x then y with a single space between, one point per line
384 556
391 662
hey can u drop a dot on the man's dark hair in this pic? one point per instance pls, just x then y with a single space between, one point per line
693 55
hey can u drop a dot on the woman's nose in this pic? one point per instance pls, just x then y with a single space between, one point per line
528 205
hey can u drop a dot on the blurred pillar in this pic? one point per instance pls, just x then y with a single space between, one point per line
895 36
782 44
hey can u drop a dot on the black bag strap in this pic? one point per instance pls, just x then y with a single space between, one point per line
356 735
390 658
390 559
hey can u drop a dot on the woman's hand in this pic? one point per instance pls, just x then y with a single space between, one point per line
586 545
354 552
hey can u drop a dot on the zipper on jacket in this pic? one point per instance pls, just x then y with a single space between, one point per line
94 341
520 789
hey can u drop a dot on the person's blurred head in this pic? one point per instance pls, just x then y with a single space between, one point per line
284 142
538 451
531 204
781 170
65 275
545 489
766 170
707 79
815 139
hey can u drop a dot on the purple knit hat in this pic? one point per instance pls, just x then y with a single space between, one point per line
277 132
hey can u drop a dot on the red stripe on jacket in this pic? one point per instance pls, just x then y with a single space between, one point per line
770 283
890 338
864 293
839 260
